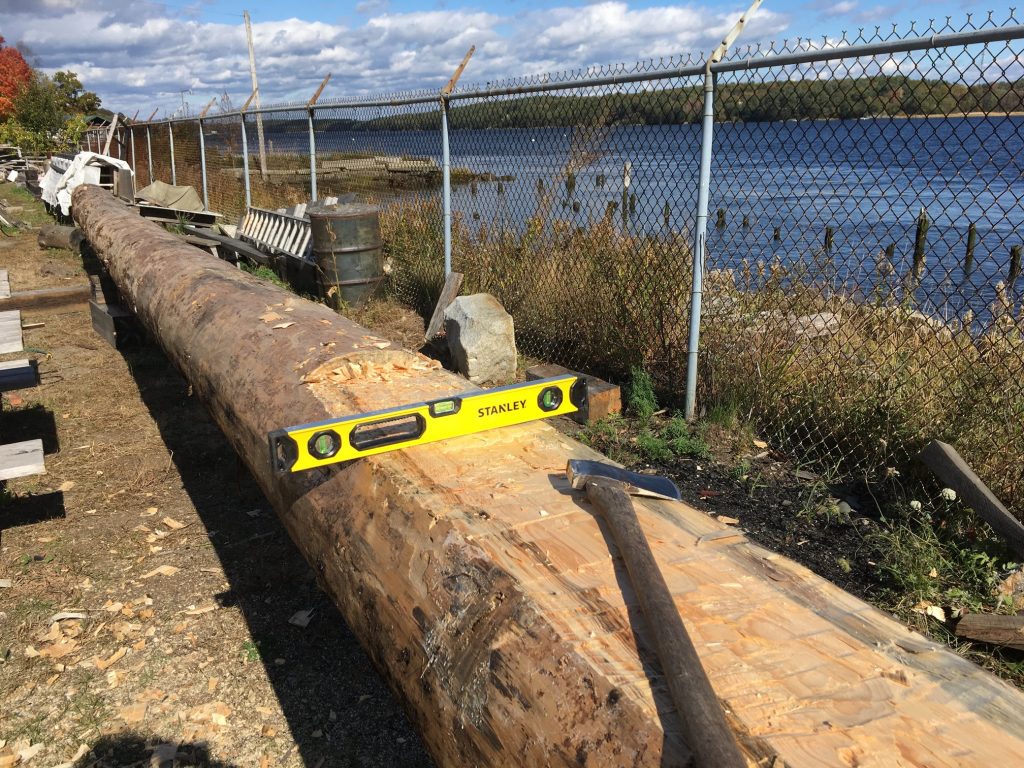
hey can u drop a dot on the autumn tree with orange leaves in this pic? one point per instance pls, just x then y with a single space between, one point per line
15 74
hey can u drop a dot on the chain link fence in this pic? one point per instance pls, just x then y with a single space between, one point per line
861 263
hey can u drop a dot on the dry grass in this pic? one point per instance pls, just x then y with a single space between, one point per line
846 384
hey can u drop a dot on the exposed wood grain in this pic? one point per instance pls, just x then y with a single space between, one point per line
5 284
950 467
21 459
485 591
452 284
48 298
704 725
1005 631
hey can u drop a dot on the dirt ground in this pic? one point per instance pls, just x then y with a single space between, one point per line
182 596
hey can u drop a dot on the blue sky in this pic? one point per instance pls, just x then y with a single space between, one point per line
139 54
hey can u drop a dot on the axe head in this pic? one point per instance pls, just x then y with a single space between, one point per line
580 471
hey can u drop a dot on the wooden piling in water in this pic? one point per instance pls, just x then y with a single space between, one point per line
829 237
972 241
1014 273
667 214
720 220
919 243
777 235
746 222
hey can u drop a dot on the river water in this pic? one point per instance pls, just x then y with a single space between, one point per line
867 179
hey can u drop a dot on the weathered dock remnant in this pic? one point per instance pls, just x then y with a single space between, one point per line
485 589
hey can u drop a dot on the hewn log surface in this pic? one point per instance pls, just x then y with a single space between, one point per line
485 590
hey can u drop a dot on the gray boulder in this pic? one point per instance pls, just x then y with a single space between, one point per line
481 337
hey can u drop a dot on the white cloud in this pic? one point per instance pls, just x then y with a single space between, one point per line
141 55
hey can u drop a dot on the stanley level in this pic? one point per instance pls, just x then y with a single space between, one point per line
308 446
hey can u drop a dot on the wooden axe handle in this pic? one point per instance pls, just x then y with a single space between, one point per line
705 729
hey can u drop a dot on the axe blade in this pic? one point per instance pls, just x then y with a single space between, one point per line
579 471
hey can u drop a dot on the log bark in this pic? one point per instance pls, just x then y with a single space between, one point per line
994 629
57 236
484 589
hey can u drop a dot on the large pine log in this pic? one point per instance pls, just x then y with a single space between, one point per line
485 590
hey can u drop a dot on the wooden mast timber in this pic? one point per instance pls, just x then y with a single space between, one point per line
484 589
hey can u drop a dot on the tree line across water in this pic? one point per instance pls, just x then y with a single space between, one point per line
848 98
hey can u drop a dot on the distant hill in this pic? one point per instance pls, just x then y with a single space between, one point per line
882 96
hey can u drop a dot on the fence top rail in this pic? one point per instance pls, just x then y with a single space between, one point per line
836 51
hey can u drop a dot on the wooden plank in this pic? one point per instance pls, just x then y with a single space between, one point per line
48 298
18 374
10 332
452 284
949 466
5 284
1005 631
21 459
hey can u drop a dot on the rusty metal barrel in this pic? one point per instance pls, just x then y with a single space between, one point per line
348 252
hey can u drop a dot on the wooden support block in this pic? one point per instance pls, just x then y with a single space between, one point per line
950 467
5 284
603 399
21 459
1004 631
18 374
115 324
48 298
10 332
452 284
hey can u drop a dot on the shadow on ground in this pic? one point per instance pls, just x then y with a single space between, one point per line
326 671
134 749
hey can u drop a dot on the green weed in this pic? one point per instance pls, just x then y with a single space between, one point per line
684 441
250 652
640 398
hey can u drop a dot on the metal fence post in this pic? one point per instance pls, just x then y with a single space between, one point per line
170 140
245 163
202 164
149 151
446 189
312 158
703 193
88 141
700 238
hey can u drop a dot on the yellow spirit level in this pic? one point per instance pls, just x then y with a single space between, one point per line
308 446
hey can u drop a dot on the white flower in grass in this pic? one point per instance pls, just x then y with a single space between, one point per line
949 494
915 505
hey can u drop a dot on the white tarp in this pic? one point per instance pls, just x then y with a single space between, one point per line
84 169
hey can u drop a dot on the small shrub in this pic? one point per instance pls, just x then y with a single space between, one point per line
654 448
640 397
683 441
